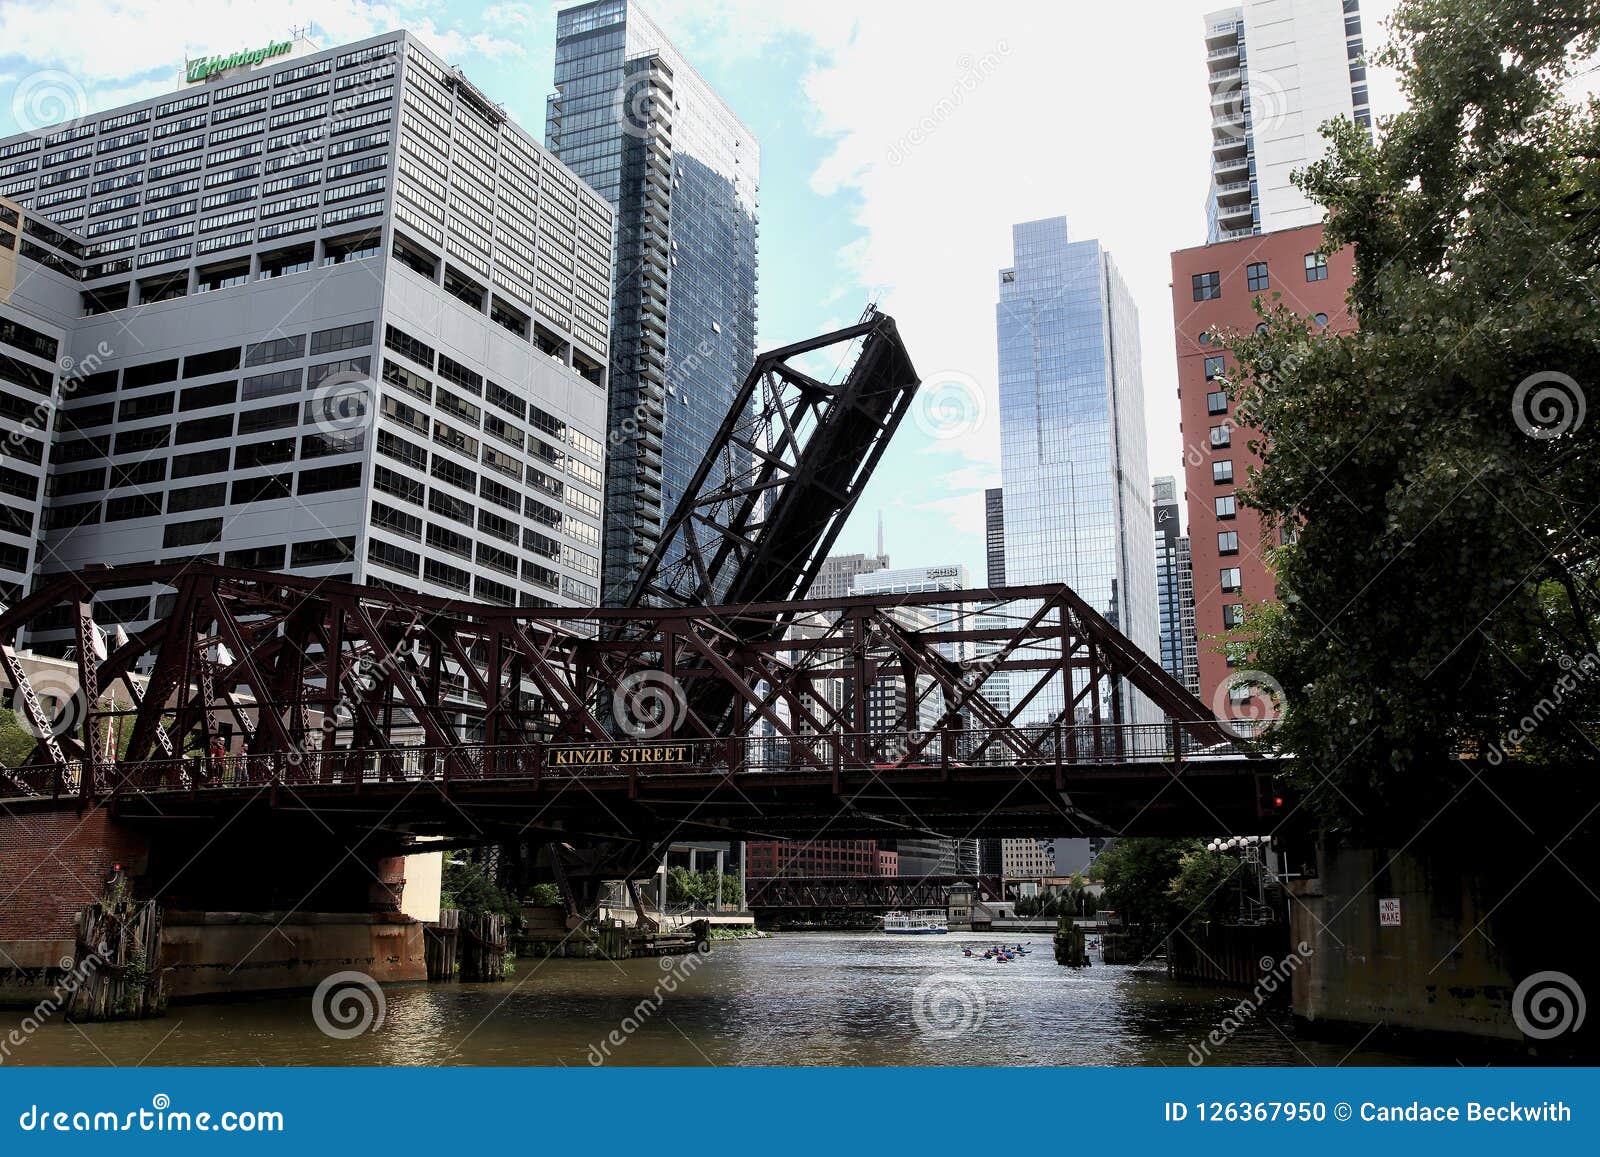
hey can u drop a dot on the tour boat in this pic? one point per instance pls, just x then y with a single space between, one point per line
926 923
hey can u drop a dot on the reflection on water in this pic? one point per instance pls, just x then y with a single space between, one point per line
796 999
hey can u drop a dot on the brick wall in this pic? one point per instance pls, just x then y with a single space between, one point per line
53 863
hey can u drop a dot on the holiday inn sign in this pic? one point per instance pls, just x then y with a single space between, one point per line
209 66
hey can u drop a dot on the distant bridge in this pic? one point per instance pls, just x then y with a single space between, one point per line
862 893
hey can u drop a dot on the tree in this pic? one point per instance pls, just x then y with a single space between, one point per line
544 895
16 741
467 886
1436 464
1139 871
1206 885
700 889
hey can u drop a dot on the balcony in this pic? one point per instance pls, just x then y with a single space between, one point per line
1222 75
1234 217
1234 234
1230 192
1226 52
1237 166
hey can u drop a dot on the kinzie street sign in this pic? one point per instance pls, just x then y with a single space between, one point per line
211 65
618 754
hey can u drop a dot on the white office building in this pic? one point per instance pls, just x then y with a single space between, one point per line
330 313
1278 69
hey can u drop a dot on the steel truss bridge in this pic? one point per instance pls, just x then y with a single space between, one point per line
432 716
862 893
718 703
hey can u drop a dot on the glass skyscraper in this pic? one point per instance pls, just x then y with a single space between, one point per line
1175 589
1072 437
632 117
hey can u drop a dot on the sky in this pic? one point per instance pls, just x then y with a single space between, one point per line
899 142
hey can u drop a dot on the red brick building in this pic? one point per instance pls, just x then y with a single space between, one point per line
818 858
1216 287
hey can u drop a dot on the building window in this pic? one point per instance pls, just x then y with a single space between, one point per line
1207 285
1221 436
1215 367
1230 580
1255 275
1217 402
1316 267
1232 616
1222 471
1227 542
1226 506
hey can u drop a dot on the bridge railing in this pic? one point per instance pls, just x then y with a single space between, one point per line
947 751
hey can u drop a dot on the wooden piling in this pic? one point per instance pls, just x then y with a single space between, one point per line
483 946
116 971
442 944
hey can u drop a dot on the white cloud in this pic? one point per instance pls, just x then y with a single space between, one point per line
950 122
116 51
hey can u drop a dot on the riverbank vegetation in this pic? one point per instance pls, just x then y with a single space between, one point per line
1428 478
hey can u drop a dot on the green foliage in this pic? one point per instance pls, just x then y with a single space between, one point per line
1205 888
466 886
1139 874
1443 582
544 895
700 888
16 741
1073 900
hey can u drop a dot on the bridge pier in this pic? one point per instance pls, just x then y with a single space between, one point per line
1478 920
262 904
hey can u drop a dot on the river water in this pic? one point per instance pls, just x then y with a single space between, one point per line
795 999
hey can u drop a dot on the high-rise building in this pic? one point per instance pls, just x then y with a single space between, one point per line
1278 69
839 571
38 299
1027 859
1072 438
329 313
638 123
1175 588
994 536
766 858
1214 289
935 856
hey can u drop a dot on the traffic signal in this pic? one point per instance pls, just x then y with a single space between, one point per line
1270 799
